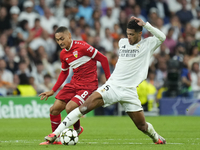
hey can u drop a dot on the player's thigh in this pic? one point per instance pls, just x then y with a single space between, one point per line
71 105
109 93
93 101
82 94
137 117
57 107
129 100
66 93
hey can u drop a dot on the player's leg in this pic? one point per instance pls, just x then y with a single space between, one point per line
77 100
93 101
64 95
55 115
69 107
55 118
104 96
132 105
62 98
147 128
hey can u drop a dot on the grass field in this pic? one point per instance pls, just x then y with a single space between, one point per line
104 133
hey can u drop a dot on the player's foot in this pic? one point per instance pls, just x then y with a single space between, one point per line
80 130
51 137
45 143
48 143
161 140
57 143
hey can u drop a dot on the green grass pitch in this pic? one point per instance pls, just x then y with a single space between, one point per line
104 133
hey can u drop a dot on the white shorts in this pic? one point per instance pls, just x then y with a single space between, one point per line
127 97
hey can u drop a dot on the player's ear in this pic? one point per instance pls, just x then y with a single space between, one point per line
69 35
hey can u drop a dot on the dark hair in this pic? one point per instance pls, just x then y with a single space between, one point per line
61 29
23 79
171 29
194 63
22 61
55 27
47 76
133 25
39 62
37 19
22 24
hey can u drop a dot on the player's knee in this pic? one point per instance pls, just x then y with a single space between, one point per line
68 109
83 110
53 111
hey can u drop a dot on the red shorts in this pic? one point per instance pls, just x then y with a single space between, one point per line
75 93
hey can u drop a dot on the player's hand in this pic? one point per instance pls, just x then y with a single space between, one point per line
46 95
139 21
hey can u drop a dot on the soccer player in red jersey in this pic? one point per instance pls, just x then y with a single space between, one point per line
82 58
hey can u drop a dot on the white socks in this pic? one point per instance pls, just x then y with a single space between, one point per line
152 133
69 120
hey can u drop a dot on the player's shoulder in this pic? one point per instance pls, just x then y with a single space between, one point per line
62 52
123 41
79 43
82 46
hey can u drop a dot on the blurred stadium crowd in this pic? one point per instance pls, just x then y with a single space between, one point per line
29 55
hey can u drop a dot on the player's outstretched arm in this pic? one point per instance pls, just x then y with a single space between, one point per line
157 33
61 78
104 63
160 35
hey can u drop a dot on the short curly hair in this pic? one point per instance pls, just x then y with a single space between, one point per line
133 25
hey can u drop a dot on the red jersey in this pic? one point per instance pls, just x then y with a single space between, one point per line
80 58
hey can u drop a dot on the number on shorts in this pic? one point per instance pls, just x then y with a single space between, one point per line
107 87
84 94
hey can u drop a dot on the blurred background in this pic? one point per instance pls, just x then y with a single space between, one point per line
29 54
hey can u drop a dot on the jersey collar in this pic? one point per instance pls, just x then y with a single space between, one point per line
70 46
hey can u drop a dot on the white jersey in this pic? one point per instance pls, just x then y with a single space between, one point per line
133 62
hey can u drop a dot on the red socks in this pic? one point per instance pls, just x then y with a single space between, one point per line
77 125
55 121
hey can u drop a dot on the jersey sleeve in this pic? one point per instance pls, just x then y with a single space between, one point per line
89 50
62 77
158 38
120 42
156 32
104 63
64 64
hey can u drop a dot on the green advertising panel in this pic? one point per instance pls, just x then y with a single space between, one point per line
27 107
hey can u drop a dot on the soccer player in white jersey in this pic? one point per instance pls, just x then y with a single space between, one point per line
131 69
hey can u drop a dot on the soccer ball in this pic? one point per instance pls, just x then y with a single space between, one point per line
69 137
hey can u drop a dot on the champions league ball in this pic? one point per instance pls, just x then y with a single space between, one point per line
69 137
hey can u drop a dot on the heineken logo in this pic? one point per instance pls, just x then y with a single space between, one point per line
28 110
